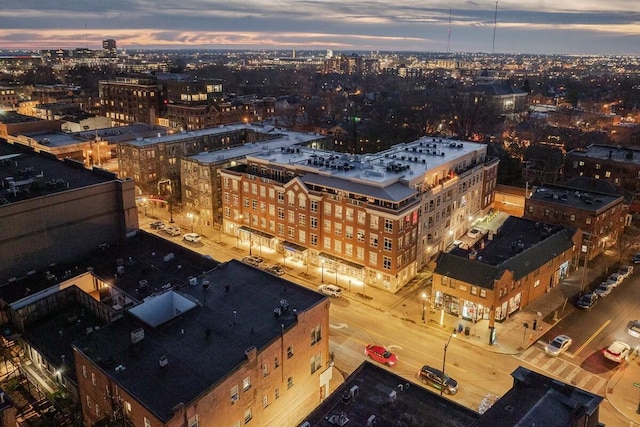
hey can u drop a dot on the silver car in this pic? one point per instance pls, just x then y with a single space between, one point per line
558 345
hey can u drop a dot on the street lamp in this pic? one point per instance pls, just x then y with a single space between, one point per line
444 359
145 202
424 306
322 279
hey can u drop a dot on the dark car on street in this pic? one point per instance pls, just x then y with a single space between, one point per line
434 378
587 301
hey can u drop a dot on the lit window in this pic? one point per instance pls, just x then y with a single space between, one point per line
246 384
289 382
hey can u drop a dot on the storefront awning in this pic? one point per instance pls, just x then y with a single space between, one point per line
294 247
253 231
324 255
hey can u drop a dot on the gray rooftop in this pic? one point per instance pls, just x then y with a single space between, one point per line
609 152
577 198
520 246
234 311
25 174
112 135
284 134
374 385
405 162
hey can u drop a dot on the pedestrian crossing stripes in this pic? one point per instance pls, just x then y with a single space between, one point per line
562 369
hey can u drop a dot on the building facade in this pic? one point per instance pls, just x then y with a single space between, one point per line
600 216
128 100
364 220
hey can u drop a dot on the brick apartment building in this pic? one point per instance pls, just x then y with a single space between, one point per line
374 219
504 272
600 216
236 345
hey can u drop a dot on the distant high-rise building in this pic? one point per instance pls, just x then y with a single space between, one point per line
109 44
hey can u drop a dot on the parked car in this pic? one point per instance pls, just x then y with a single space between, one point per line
603 289
474 233
558 345
626 270
636 259
434 378
253 260
587 301
618 351
192 237
157 225
633 328
331 290
172 230
615 279
380 355
276 269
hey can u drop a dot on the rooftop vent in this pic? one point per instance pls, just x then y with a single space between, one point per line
164 362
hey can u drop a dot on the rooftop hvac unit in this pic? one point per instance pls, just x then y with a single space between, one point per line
163 361
193 281
371 421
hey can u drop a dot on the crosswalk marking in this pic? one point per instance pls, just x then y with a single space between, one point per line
563 369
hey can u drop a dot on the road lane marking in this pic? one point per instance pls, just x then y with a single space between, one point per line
591 338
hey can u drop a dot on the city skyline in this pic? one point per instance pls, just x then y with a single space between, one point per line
540 27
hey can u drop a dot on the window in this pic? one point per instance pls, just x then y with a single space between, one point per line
193 421
314 240
280 213
302 220
388 244
572 217
291 216
265 369
348 232
289 352
337 230
280 197
483 293
316 362
147 423
289 382
373 258
360 235
349 214
314 206
327 242
84 371
277 392
97 410
127 406
373 220
588 220
474 290
373 240
386 262
93 378
291 232
265 401
276 362
234 394
338 211
247 415
388 225
88 401
314 223
361 217
316 335
327 208
246 384
327 225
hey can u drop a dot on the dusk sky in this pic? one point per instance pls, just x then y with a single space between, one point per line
523 26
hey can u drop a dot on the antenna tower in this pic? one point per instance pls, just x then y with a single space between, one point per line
449 34
495 23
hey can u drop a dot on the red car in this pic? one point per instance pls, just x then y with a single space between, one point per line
380 355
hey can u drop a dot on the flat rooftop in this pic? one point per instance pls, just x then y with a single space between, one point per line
298 137
233 311
25 174
609 152
11 117
285 139
367 392
576 198
405 161
111 135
